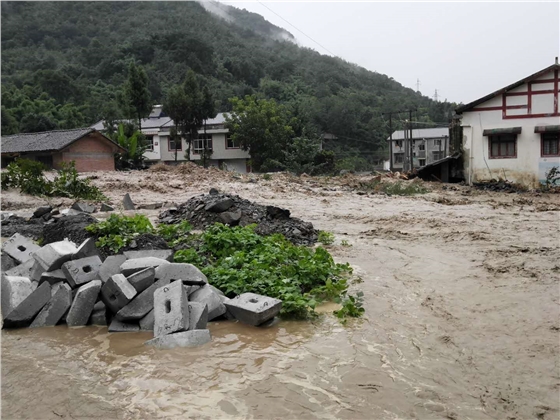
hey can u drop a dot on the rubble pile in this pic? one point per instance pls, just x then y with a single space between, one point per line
499 186
61 282
205 210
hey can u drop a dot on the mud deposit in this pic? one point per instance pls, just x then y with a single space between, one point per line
462 321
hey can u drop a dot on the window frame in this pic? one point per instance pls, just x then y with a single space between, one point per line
437 154
543 135
201 139
228 137
420 162
149 143
422 147
169 149
400 155
491 140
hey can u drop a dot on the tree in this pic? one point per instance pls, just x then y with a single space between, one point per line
131 140
262 127
208 111
136 94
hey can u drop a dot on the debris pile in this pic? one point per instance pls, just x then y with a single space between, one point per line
205 210
499 186
138 290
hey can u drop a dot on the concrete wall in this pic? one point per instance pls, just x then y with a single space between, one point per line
156 153
90 153
529 166
430 146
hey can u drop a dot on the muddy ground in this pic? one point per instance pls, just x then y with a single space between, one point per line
462 317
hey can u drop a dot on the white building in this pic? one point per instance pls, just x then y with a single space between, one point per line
428 145
514 133
161 148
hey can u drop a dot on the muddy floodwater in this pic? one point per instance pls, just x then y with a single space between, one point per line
462 305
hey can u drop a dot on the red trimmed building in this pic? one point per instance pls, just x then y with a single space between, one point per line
514 133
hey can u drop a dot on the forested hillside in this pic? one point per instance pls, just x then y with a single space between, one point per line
64 65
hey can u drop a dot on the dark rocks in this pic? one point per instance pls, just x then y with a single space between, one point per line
127 202
32 228
214 191
200 211
83 207
106 207
145 242
70 227
41 211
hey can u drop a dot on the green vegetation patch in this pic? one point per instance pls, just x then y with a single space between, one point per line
393 188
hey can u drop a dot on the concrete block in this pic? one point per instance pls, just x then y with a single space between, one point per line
164 254
132 266
24 313
141 304
111 266
53 255
117 292
83 207
99 314
141 280
81 271
106 207
7 262
193 338
22 270
37 271
147 323
187 273
212 299
83 303
56 307
198 316
20 248
86 249
127 202
52 277
253 309
119 326
171 309
13 291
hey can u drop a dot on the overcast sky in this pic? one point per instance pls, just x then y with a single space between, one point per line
464 50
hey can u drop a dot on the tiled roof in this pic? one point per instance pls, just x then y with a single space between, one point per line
44 141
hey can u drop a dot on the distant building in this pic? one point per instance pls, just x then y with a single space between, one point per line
162 148
513 133
87 147
428 145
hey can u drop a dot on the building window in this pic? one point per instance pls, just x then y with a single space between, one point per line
230 144
503 146
198 144
422 162
399 157
172 144
437 143
550 144
438 155
421 147
149 143
398 143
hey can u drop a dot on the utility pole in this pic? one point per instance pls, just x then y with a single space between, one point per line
417 85
391 142
407 136
411 141
436 96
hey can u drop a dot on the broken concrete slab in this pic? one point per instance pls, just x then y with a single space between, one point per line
198 316
127 202
111 266
171 309
56 307
14 290
24 313
22 270
83 303
20 248
207 296
7 262
119 326
141 304
193 338
147 323
106 207
138 264
83 207
164 254
117 292
81 271
141 280
253 309
52 277
41 211
53 255
86 249
219 206
187 273
37 271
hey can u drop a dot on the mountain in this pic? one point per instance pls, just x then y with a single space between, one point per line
63 65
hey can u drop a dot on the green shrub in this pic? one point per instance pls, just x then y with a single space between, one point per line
237 260
393 188
325 238
118 231
352 306
67 184
176 233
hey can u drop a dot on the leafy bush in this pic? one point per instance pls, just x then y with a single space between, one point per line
28 176
352 306
237 260
118 231
325 238
176 233
393 188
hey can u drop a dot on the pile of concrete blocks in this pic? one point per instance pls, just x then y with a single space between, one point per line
136 291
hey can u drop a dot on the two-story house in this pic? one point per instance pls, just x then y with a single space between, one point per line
428 145
514 133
